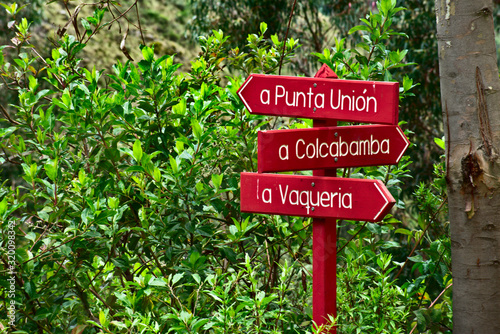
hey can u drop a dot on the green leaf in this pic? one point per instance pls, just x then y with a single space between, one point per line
263 28
137 150
173 164
42 313
197 278
133 169
51 170
157 282
180 108
30 235
374 228
157 174
33 83
403 231
42 93
358 28
194 257
148 53
275 39
86 26
440 142
3 206
103 318
196 129
176 278
200 322
30 289
233 230
7 131
390 244
416 258
217 181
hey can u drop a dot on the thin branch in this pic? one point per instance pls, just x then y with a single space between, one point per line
433 303
354 236
420 239
286 36
6 113
139 22
112 21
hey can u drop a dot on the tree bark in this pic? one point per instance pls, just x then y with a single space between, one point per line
470 97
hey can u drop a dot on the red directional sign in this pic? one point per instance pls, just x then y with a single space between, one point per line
333 147
321 98
315 196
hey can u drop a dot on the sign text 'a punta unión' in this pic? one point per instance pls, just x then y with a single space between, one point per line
320 98
313 196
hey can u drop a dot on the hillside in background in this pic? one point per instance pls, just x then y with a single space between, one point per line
163 24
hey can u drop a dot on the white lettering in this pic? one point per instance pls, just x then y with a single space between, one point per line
344 97
371 98
270 197
283 148
362 99
306 202
343 144
331 100
277 95
268 93
321 150
283 196
371 145
308 199
322 103
351 150
296 193
297 148
310 94
292 104
303 99
337 147
325 199
386 142
364 147
332 196
349 202
354 102
310 155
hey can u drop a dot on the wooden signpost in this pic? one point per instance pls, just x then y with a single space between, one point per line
323 196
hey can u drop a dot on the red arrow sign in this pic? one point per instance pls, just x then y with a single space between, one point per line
315 196
334 147
319 98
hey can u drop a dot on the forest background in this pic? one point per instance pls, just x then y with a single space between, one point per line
122 139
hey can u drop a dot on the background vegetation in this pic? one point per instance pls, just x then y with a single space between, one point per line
122 139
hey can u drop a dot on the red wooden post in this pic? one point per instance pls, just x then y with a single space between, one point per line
324 245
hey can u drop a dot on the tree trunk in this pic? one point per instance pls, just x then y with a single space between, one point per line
470 97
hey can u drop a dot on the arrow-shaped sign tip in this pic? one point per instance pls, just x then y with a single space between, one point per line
406 141
240 92
389 200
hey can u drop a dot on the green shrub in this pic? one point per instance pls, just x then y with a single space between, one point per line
127 217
